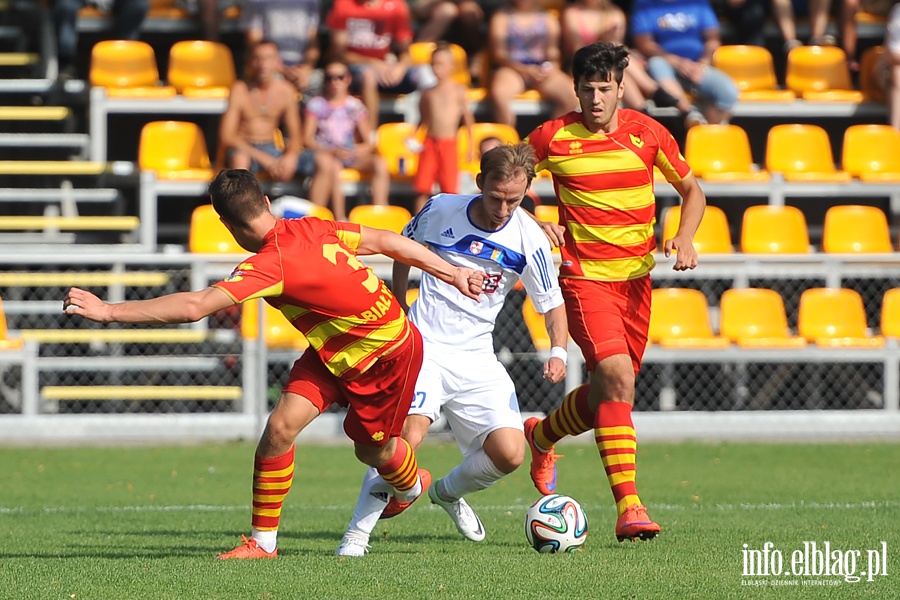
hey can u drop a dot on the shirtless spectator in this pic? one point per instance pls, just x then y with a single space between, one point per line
441 108
257 110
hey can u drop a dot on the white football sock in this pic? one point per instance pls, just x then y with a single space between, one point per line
373 497
267 540
475 473
410 494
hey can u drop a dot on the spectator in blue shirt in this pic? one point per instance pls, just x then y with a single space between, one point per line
678 37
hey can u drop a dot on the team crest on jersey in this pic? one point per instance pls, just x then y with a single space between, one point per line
239 271
575 147
636 141
476 247
377 436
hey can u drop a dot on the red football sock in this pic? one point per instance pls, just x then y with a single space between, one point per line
271 483
572 417
402 470
617 443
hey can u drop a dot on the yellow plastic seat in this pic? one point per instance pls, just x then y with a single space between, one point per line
721 153
774 230
549 213
753 71
392 218
755 318
802 153
412 294
713 236
420 53
5 342
201 69
856 229
392 139
209 235
322 212
127 68
167 9
175 150
480 132
890 313
537 328
680 319
820 73
278 334
872 153
868 78
835 318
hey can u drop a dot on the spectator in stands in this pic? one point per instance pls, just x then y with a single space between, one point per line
523 43
257 110
434 18
373 37
209 13
128 15
338 135
889 65
679 38
749 19
587 21
293 25
817 10
441 109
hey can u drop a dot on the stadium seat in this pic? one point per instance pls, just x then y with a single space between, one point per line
721 153
420 53
890 313
537 329
856 229
392 141
753 71
868 81
820 73
802 153
680 319
322 212
208 234
127 68
5 342
278 332
755 318
174 150
769 229
412 294
713 236
200 69
835 317
481 131
392 218
872 153
167 9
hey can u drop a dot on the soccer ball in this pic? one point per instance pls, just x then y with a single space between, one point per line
556 523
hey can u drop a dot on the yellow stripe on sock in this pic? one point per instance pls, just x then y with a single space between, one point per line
269 498
281 485
267 512
619 430
279 473
618 459
621 477
627 501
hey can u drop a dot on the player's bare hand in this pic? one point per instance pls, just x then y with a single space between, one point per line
686 255
470 282
85 304
554 232
554 370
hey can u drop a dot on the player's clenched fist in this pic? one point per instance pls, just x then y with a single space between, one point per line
469 281
83 303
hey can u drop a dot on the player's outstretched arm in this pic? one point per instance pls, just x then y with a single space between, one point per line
183 307
558 330
393 245
692 209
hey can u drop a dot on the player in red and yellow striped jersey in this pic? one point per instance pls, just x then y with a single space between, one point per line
364 354
602 161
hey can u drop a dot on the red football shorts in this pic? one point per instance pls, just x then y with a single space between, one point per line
377 401
608 317
438 161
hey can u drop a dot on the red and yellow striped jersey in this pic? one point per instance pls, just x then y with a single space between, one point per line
604 183
308 269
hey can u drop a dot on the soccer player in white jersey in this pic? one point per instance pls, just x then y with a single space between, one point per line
461 374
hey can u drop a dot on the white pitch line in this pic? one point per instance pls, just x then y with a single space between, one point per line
743 506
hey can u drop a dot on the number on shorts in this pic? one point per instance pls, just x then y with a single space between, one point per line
419 400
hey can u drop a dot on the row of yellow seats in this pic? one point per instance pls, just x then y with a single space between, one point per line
848 229
802 152
197 69
814 73
755 318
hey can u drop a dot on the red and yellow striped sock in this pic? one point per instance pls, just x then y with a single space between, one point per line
572 417
617 443
271 483
402 470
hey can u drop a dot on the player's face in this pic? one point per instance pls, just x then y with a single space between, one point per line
442 64
265 62
599 101
500 197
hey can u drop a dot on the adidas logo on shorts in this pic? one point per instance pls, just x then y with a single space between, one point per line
447 232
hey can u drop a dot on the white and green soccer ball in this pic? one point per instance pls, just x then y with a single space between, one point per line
556 523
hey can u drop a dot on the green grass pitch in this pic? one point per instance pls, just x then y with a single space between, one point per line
121 523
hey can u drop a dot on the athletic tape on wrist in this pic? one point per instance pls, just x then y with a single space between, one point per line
560 353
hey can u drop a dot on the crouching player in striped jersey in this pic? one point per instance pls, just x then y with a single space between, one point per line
460 374
602 160
364 354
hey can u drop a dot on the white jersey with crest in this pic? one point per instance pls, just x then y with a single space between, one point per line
518 250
